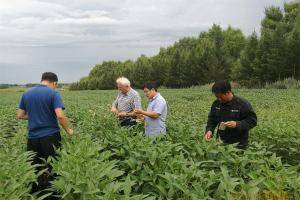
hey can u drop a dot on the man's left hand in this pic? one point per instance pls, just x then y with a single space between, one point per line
122 114
138 111
230 124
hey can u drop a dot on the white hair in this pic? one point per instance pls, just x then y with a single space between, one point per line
123 81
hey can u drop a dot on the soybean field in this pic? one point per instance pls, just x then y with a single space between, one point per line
103 161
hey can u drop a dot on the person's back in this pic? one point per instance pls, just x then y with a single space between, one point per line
43 107
40 103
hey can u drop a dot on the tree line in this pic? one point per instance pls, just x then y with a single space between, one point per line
213 55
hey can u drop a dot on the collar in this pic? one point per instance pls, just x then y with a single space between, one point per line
230 102
155 97
126 92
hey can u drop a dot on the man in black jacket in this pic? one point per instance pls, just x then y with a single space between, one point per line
233 116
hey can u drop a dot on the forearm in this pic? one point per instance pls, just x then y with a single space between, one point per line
25 117
212 121
248 123
131 114
150 114
21 114
211 125
63 121
114 110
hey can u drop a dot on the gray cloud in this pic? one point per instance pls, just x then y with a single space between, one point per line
63 35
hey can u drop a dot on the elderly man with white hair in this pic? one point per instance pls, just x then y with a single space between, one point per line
126 102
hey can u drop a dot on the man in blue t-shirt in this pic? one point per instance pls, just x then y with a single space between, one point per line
42 106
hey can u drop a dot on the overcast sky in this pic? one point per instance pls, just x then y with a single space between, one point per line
69 37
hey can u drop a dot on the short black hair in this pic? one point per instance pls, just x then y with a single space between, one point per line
221 87
150 86
49 76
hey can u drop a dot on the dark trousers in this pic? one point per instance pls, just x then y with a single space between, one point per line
43 147
127 122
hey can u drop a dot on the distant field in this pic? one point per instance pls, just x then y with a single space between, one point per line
103 161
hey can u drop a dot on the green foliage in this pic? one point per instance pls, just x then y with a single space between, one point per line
103 161
16 172
190 61
288 83
213 55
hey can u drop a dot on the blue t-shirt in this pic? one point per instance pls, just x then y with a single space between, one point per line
40 103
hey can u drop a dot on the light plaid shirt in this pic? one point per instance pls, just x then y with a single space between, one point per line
128 102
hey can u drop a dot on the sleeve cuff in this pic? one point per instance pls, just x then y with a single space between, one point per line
238 124
209 129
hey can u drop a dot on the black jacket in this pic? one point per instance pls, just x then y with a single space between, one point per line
239 110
